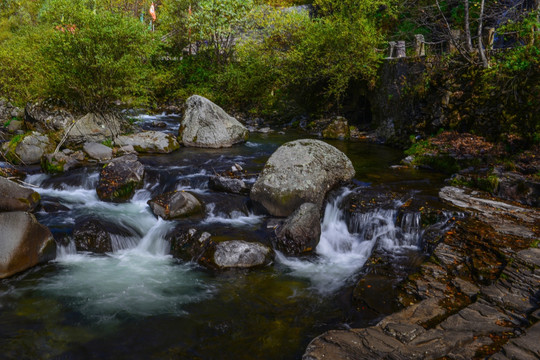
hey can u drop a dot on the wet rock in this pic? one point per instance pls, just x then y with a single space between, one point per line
62 161
46 117
298 172
150 142
301 231
24 243
237 254
95 128
525 346
91 236
14 197
337 129
98 151
230 185
515 187
189 244
175 204
120 178
207 125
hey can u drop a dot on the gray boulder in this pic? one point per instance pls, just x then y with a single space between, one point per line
45 117
301 231
120 178
98 151
94 128
298 172
175 204
238 254
30 149
24 243
233 186
207 125
14 197
150 142
337 129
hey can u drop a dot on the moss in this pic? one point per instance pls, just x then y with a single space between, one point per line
54 166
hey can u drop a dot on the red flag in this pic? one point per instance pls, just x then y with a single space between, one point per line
152 12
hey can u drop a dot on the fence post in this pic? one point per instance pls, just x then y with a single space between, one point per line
392 45
419 45
400 49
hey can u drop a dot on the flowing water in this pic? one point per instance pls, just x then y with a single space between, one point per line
139 302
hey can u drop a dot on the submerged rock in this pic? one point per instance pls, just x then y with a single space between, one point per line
301 231
98 151
233 186
207 125
175 204
14 197
298 172
237 254
120 178
24 243
150 142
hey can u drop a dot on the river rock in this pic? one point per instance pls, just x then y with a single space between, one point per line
29 149
301 231
93 237
150 142
61 161
24 243
175 204
46 117
207 125
94 128
298 172
98 151
238 254
120 178
337 129
189 244
233 186
516 187
14 197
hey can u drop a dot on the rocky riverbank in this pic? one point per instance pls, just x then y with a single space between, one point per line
477 295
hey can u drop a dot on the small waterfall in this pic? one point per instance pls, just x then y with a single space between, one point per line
346 245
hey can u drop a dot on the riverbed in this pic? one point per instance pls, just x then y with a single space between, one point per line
139 302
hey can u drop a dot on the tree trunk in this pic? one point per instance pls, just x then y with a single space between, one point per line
480 44
468 44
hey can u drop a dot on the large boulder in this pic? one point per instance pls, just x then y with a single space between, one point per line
230 185
23 243
301 231
237 254
150 142
46 117
98 151
29 148
95 128
175 204
120 178
298 172
207 125
97 236
14 197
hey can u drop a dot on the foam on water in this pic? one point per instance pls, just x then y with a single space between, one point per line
235 218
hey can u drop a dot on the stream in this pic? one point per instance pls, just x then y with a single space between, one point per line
140 302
